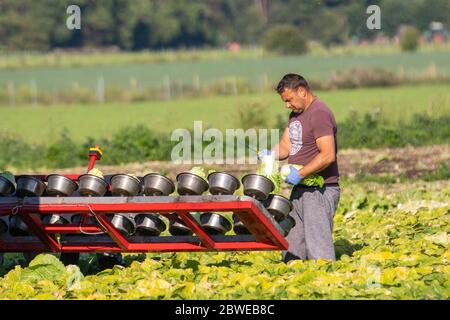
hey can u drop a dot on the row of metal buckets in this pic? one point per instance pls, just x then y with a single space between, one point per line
153 184
149 224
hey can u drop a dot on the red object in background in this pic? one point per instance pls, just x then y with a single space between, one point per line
234 46
438 38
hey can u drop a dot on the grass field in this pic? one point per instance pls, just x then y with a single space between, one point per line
43 124
246 67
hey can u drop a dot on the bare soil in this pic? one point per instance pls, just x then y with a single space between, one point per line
409 161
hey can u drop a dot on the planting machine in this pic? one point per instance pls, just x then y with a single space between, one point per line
75 213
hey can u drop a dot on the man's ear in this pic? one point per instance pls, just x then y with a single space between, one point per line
301 92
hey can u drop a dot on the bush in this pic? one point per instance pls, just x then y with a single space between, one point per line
371 131
409 40
61 153
285 39
140 144
254 115
360 77
19 154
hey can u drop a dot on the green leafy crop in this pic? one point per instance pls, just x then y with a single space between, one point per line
391 243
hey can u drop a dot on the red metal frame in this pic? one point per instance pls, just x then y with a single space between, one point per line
265 234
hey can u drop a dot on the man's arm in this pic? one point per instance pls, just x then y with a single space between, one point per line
282 149
325 157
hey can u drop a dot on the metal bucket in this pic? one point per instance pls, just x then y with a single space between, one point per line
179 229
158 185
149 225
91 185
257 186
6 187
28 186
287 224
123 223
238 226
191 184
278 206
222 183
17 228
54 219
59 185
124 185
214 223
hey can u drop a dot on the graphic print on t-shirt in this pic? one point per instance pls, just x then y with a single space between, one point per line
295 135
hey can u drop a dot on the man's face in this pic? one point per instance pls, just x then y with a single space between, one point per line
295 99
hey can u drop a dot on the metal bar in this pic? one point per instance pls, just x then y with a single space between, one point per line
29 246
35 225
162 208
73 228
197 229
92 159
118 238
264 229
138 247
272 233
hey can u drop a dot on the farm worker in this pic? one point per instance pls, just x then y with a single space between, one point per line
310 141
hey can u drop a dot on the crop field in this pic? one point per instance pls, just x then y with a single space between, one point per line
42 124
392 242
247 67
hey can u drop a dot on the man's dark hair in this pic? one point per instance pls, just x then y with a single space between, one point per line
292 81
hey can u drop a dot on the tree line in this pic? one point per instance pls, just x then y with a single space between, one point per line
156 24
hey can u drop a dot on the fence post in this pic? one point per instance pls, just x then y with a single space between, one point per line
180 88
196 82
234 89
223 86
55 96
101 89
34 92
265 79
133 84
167 87
11 94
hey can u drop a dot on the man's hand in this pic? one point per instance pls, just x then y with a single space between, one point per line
294 176
325 157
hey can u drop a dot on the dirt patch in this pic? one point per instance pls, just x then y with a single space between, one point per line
410 161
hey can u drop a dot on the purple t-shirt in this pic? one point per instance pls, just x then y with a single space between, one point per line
304 128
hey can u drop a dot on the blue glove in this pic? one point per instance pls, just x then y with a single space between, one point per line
264 153
293 177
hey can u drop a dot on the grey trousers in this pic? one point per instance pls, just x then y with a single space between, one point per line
313 212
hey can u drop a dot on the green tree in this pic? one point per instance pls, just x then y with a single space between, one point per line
329 28
285 39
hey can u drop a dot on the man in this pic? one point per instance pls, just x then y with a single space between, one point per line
310 141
